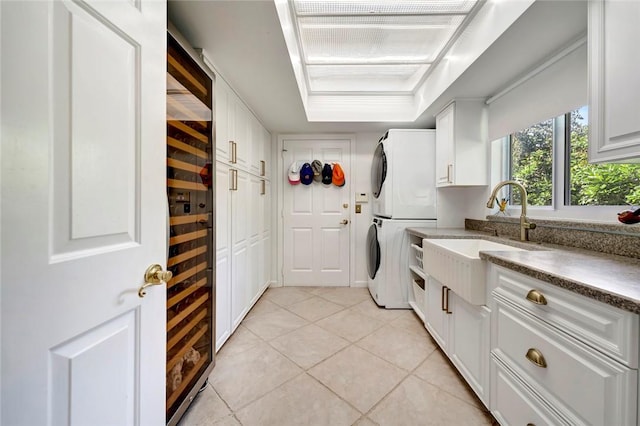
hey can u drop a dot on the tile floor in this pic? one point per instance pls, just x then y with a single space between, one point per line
330 356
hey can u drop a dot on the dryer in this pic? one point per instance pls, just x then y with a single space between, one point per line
388 260
403 175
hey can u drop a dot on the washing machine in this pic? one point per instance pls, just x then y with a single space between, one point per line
403 176
388 260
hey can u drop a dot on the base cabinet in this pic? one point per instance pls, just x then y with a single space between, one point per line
568 372
462 331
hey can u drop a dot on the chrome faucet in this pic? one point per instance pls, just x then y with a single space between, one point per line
524 225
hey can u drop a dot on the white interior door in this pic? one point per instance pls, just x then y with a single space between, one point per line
316 241
83 212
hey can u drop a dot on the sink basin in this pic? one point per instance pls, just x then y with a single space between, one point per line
456 264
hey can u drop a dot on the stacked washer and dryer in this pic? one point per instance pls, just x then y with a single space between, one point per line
404 196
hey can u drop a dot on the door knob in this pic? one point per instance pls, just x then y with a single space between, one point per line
344 221
154 275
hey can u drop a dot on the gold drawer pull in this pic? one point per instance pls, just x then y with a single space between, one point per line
536 297
536 357
530 424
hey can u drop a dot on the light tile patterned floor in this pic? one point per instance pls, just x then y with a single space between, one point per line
330 356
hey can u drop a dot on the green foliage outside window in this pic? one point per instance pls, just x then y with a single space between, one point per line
590 184
532 163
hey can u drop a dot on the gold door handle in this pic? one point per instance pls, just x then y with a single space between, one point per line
536 357
344 222
536 297
154 275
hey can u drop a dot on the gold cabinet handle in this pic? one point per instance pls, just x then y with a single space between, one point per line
234 153
442 291
536 297
447 305
263 187
536 357
263 167
530 424
233 180
154 275
449 173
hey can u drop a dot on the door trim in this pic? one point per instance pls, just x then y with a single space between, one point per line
280 182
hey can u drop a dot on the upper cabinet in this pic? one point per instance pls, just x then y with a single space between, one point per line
614 82
461 144
241 140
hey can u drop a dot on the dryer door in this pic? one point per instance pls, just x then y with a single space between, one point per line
378 170
373 251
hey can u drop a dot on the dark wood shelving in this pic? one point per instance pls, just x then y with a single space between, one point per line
190 301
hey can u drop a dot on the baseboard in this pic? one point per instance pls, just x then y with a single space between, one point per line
360 284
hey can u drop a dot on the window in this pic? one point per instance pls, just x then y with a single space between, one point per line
551 160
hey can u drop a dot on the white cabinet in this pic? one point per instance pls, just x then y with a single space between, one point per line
233 128
243 207
563 350
614 67
223 254
461 144
462 331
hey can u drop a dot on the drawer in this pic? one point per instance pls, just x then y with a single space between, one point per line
584 385
601 326
515 404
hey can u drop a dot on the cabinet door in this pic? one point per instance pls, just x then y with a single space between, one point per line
469 343
239 247
614 65
222 121
242 136
445 147
435 317
266 147
223 254
257 152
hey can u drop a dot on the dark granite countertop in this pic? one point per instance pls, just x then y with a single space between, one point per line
611 279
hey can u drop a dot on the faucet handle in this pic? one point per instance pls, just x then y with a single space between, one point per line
530 225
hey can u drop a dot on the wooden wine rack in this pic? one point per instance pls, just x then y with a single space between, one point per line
190 307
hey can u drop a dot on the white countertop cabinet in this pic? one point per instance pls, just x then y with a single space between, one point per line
614 82
461 329
560 357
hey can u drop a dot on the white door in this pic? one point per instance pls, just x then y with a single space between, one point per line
83 212
316 217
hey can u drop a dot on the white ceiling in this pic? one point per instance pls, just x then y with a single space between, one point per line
244 41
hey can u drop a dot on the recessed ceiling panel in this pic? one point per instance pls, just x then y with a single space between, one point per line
358 78
384 7
375 39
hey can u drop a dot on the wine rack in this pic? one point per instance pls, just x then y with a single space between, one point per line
190 301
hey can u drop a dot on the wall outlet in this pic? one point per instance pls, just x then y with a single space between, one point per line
358 208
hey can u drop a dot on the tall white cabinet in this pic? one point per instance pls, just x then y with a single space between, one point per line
243 205
614 66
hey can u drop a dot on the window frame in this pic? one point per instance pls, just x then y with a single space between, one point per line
561 187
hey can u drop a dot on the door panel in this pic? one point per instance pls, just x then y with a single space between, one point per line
80 225
316 243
